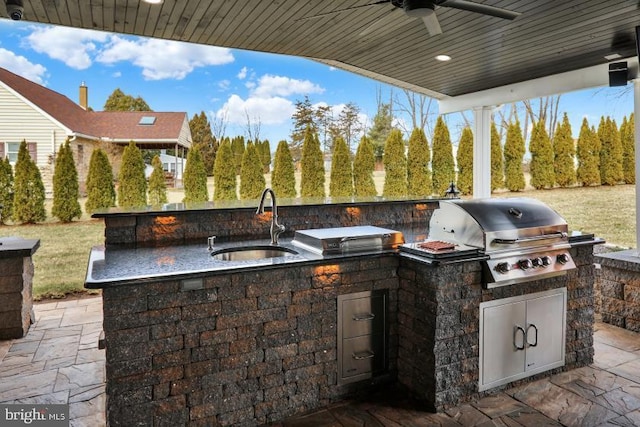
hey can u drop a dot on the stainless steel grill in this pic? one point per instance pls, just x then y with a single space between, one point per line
523 238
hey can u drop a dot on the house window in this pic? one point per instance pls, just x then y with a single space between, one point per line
12 151
147 120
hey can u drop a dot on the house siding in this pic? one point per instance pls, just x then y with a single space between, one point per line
185 134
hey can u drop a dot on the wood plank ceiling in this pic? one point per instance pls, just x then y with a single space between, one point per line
550 36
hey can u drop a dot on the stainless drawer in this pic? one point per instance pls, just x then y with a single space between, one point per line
363 316
363 356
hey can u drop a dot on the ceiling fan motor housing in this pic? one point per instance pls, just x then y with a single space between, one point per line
418 8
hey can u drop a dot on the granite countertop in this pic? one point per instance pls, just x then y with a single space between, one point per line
17 247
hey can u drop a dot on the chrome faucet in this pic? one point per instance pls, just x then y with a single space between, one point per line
276 229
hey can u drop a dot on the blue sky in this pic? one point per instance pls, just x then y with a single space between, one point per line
229 84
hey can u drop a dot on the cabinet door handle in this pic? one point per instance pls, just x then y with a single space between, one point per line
535 328
363 355
515 336
363 317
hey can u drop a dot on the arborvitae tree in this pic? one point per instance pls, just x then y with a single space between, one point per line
119 101
157 183
101 193
28 196
6 190
224 174
418 158
611 172
628 140
132 190
395 166
542 175
204 140
195 178
464 160
304 118
564 153
264 152
252 180
283 181
442 158
588 154
514 150
65 186
312 167
341 184
237 148
497 164
363 166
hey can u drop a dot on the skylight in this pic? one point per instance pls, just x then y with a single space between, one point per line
147 120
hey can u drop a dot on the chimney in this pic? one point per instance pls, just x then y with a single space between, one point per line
84 96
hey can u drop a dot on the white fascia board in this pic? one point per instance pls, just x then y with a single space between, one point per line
585 78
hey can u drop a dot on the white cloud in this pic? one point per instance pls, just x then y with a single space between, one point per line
116 74
243 73
163 59
269 85
69 45
22 66
224 84
272 110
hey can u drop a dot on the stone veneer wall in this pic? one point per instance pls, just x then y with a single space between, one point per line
619 286
188 226
438 325
248 348
16 310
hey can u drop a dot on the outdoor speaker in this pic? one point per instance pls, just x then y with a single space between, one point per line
618 74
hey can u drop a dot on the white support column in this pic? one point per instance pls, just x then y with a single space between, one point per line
482 152
636 115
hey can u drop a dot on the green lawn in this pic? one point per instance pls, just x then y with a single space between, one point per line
61 261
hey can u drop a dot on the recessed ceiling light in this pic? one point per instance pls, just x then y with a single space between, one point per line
153 1
443 58
612 56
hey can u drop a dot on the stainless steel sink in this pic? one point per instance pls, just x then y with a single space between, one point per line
252 253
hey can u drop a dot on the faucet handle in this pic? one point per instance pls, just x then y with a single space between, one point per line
211 240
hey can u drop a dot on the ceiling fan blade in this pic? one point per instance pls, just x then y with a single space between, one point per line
346 9
432 24
388 22
480 8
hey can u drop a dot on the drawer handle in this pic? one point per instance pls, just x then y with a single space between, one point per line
363 317
364 355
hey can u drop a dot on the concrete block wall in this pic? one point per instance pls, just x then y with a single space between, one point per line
619 289
246 349
16 310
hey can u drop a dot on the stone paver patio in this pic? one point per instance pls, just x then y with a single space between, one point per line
59 362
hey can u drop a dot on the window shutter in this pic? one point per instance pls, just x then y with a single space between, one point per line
1 150
33 151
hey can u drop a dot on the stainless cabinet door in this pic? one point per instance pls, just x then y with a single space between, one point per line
363 316
545 331
503 346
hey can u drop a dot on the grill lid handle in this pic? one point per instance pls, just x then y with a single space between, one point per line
558 235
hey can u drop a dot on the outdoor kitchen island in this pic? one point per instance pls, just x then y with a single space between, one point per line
192 340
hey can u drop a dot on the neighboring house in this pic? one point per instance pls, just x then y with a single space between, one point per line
170 165
45 119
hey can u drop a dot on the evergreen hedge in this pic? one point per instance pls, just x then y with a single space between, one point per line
195 178
6 190
252 181
395 166
101 193
224 174
418 158
66 191
312 167
132 189
442 158
588 154
542 175
157 183
28 196
611 172
497 163
204 140
564 153
464 161
283 181
628 140
363 167
341 184
514 151
237 148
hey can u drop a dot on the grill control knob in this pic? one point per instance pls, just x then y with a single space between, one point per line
537 262
503 267
546 261
562 258
525 264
